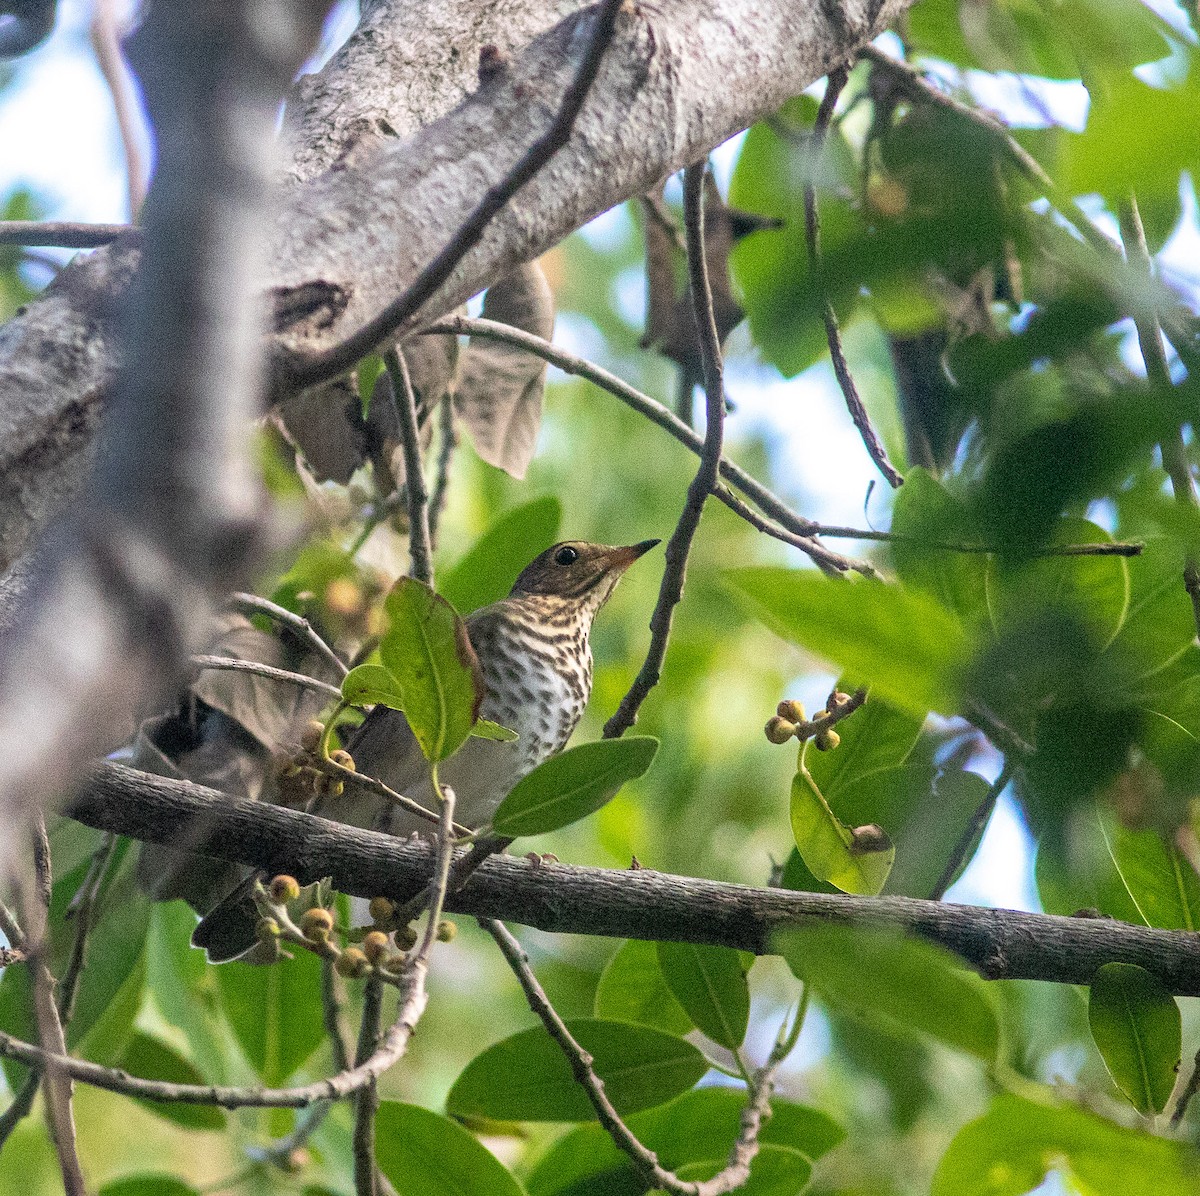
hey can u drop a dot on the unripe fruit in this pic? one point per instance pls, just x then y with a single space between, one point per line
375 945
344 597
826 741
382 911
446 930
406 938
316 925
868 839
284 889
342 757
267 930
836 701
310 737
351 963
792 710
779 730
328 786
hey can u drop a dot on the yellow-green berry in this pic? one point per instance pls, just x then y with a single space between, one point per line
284 889
342 757
310 737
375 945
267 930
836 701
869 839
778 729
406 938
316 925
382 911
351 963
826 740
446 930
792 710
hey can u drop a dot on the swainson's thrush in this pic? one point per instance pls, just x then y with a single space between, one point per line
537 668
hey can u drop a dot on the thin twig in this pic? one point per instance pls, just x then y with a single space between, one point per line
106 35
918 87
367 1102
297 624
413 998
971 833
372 785
660 416
789 527
1158 373
319 367
62 234
448 435
416 496
680 544
833 333
644 1160
233 665
57 1087
1188 1092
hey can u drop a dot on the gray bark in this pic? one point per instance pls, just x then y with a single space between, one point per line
641 904
350 239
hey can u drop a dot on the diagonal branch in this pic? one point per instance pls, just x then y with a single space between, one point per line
833 333
322 366
416 495
652 1172
680 543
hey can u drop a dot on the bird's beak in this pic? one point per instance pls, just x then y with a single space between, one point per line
622 558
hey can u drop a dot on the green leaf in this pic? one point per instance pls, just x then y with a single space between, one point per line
155 1060
1010 1149
484 728
150 1183
632 988
274 1012
426 1154
1159 625
1094 588
527 1077
875 739
572 785
428 651
710 983
774 1171
903 982
828 846
925 513
1136 1027
1138 137
367 374
371 684
698 1126
486 573
904 644
1159 879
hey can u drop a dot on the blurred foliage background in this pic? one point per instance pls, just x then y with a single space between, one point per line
993 336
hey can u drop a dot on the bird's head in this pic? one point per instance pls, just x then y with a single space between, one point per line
576 574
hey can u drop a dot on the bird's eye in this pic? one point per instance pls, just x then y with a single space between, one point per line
566 556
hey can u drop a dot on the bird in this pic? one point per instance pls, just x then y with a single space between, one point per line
535 657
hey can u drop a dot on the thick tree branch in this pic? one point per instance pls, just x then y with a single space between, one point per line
344 248
642 904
